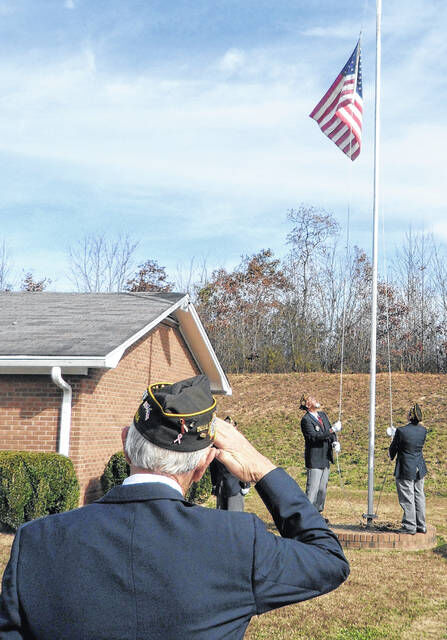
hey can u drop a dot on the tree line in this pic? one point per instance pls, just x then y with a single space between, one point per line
303 312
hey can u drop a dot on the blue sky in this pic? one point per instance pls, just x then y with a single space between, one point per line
185 124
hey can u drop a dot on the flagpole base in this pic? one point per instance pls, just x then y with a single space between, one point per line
369 518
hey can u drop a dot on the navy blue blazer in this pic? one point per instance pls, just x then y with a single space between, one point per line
407 444
318 441
143 563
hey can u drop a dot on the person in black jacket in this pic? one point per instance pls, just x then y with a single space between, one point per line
320 441
410 470
230 492
143 562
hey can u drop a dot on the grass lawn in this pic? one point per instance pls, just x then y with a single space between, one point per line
398 595
394 595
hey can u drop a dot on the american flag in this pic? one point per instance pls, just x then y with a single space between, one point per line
339 112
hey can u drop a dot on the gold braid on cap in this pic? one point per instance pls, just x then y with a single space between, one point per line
415 412
176 415
303 401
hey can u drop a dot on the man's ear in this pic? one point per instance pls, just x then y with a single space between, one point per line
204 464
124 433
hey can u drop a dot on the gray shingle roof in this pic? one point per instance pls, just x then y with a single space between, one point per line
75 324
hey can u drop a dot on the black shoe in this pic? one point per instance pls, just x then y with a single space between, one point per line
410 533
421 530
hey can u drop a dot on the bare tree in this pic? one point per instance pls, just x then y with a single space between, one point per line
312 240
312 229
412 267
192 277
4 268
98 263
440 275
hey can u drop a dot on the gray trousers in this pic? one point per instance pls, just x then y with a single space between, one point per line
412 500
233 503
316 486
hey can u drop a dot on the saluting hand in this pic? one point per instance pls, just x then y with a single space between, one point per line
238 454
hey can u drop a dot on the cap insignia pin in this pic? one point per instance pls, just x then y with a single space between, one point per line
183 425
147 409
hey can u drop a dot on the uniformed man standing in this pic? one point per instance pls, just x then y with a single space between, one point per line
320 442
410 470
230 492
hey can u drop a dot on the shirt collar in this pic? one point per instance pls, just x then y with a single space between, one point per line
137 478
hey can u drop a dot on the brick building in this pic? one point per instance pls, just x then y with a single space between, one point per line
73 368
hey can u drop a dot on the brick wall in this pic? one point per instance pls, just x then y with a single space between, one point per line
29 413
103 402
108 400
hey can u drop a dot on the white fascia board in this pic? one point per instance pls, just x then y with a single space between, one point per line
43 364
195 336
112 359
42 371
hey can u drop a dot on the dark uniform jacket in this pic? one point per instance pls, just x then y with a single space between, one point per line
318 441
407 443
224 483
142 563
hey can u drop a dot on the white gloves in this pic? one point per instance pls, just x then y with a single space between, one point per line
391 431
336 426
336 446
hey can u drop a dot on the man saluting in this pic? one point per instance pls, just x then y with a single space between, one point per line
320 442
143 562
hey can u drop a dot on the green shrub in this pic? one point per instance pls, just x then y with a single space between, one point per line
115 471
199 492
35 484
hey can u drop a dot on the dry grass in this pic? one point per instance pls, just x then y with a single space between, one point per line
389 594
395 595
392 595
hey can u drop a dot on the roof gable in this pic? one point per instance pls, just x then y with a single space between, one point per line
77 331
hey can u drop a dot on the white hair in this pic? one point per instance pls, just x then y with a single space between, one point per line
146 455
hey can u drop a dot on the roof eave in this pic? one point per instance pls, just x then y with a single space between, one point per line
196 338
42 365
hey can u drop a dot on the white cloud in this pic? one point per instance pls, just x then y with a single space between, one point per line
200 135
89 60
69 4
241 138
343 31
232 61
439 231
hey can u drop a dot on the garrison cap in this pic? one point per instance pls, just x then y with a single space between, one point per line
415 413
303 401
177 416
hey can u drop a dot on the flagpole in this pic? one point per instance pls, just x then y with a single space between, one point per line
372 389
